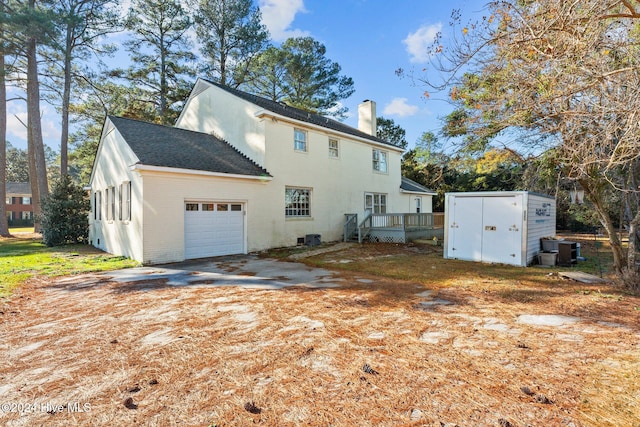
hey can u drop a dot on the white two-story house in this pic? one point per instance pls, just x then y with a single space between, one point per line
239 173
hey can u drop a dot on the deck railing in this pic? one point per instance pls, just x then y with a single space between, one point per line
408 220
401 225
350 226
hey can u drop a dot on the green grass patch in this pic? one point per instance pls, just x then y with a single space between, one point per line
22 259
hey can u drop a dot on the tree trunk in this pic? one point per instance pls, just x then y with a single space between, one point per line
619 259
4 226
631 252
38 175
66 96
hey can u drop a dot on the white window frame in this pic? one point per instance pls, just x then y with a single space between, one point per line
297 202
125 201
300 140
111 203
26 200
375 203
380 159
334 151
97 205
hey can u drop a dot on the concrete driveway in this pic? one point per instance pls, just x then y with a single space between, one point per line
248 271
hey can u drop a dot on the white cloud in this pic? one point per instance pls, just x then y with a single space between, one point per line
17 132
278 15
399 107
418 44
15 128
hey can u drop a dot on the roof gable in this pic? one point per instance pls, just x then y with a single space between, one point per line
300 115
18 188
165 146
411 186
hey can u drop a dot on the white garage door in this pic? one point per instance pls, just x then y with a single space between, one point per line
213 229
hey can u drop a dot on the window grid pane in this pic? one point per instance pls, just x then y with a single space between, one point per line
379 160
297 202
299 140
333 148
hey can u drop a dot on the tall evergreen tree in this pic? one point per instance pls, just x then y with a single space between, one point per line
82 24
28 26
299 74
232 35
160 52
4 226
388 130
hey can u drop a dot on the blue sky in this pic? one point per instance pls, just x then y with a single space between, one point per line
370 39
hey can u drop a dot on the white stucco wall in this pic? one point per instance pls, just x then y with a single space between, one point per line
338 185
112 167
215 111
408 202
165 195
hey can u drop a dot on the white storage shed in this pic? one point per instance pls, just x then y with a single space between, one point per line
497 226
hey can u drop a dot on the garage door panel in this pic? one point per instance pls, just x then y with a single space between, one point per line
214 232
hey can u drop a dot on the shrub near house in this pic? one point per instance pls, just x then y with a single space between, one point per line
64 214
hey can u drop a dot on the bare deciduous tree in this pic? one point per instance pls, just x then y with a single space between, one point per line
567 73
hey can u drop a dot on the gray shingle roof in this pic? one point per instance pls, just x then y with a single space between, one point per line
298 114
158 145
18 188
412 186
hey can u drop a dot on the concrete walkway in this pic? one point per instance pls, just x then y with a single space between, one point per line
248 271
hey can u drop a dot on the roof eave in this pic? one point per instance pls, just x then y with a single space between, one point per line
165 169
268 113
429 193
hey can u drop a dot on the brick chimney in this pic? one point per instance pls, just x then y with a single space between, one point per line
367 117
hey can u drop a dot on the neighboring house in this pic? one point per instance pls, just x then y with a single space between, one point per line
19 207
239 173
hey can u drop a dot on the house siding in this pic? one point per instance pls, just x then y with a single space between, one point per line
112 167
166 193
217 112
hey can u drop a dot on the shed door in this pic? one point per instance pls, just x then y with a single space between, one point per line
465 228
502 229
213 229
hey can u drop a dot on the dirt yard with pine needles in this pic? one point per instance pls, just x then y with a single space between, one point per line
407 339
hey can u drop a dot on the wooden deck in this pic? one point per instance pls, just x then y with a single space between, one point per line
395 227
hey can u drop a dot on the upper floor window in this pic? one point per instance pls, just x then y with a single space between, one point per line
299 140
379 160
297 202
26 200
8 200
333 148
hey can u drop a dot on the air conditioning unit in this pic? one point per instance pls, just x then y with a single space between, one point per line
312 240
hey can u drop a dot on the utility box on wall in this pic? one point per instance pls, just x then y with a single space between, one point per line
497 226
